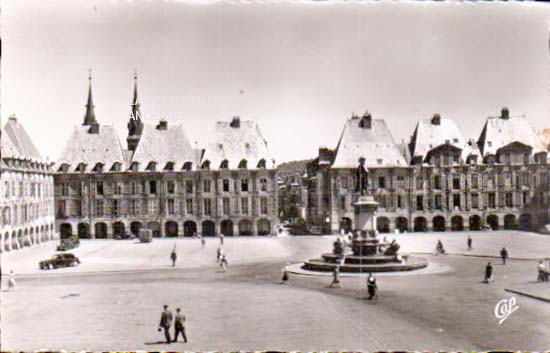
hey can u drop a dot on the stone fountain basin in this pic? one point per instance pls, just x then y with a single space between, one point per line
412 263
356 259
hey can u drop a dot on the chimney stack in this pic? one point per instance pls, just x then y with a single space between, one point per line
436 119
505 113
162 125
236 122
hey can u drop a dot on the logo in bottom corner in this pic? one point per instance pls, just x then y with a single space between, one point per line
505 308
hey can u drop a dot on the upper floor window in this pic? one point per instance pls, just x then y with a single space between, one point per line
206 185
170 187
98 168
206 165
261 164
99 188
134 167
169 166
189 186
187 166
244 185
382 182
152 187
224 164
116 167
152 166
243 164
263 184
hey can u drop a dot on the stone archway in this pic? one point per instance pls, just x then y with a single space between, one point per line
135 227
245 227
83 230
65 230
189 228
155 229
439 224
492 221
208 228
227 227
171 229
475 222
510 222
383 225
402 224
119 229
457 223
420 224
100 229
264 227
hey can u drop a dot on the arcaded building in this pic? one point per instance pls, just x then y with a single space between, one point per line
441 182
26 189
160 182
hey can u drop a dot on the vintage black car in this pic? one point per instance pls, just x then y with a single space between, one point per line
59 260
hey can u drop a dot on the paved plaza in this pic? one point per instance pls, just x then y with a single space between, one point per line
114 298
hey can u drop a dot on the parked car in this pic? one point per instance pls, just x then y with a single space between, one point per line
145 235
68 243
59 260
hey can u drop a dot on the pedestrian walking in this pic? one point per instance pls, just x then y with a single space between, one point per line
11 282
203 242
543 272
371 286
504 255
223 262
336 278
219 254
221 238
285 274
166 322
470 243
174 256
179 325
489 273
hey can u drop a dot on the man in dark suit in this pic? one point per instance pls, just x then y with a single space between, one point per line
166 322
180 325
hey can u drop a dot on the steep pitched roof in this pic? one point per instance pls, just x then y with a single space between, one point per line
435 132
237 140
163 145
375 144
17 143
92 148
544 137
503 130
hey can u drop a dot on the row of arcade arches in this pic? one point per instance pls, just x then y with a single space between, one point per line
171 228
439 223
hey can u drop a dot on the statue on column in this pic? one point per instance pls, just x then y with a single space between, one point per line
362 177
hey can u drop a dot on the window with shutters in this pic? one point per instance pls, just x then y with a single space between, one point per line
207 206
244 205
226 205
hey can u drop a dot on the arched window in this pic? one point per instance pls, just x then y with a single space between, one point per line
242 164
206 165
169 166
81 167
188 166
134 167
224 164
261 164
152 166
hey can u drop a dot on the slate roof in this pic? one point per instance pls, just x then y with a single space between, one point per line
544 137
17 143
435 132
162 146
375 144
499 132
234 141
92 148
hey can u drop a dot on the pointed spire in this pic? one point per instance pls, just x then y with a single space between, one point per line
135 101
89 118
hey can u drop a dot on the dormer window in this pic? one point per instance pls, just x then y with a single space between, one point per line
98 168
152 166
116 167
64 168
169 166
187 166
81 167
206 165
243 164
134 167
224 164
261 164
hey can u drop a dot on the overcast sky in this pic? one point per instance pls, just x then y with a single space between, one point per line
304 69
